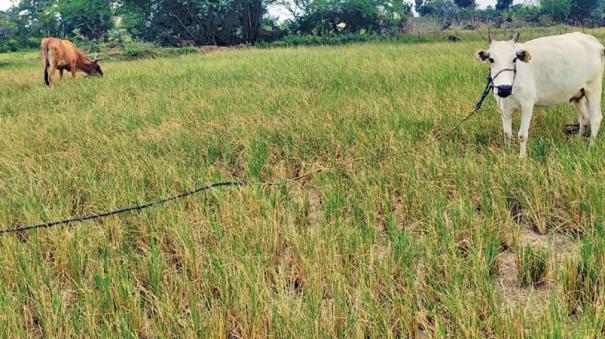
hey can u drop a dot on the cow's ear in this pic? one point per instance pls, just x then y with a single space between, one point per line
524 56
482 55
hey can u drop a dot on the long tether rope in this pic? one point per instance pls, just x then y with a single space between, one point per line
162 201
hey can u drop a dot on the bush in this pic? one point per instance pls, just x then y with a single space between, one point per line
119 37
139 49
331 40
545 20
170 51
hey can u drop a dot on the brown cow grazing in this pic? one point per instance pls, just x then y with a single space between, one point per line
63 55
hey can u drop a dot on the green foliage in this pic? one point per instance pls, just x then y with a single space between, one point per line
117 37
329 17
442 9
134 15
200 22
341 39
465 3
7 33
581 9
502 5
90 19
526 14
557 10
36 18
137 49
418 4
166 22
30 20
232 22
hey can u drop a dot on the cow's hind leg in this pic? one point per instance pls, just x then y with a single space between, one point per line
50 74
46 76
594 110
581 106
50 65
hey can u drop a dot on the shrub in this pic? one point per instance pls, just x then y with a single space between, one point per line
139 50
119 37
170 51
341 39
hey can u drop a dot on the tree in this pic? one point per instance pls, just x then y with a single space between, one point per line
502 5
90 19
175 22
345 16
418 5
37 17
251 16
465 3
135 16
397 15
441 9
557 10
6 26
581 9
7 32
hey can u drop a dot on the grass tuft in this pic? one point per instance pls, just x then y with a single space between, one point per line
532 266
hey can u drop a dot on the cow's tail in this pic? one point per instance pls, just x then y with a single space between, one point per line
46 61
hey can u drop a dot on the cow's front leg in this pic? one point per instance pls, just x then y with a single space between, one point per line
507 127
526 113
73 70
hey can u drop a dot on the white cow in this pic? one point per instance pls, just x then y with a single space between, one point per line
545 72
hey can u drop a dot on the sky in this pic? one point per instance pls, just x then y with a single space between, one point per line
4 4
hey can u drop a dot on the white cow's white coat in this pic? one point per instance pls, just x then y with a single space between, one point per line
560 69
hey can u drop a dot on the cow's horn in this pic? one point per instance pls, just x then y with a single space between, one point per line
489 36
96 58
516 37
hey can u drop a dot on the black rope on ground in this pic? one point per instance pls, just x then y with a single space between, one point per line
478 104
133 208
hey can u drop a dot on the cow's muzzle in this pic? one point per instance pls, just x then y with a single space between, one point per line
504 91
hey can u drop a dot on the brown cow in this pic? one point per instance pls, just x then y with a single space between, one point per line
63 55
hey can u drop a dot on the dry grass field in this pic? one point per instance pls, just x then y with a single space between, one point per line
458 239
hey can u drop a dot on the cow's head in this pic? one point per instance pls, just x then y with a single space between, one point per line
503 56
97 67
94 68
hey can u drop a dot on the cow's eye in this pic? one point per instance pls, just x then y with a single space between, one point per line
515 60
491 60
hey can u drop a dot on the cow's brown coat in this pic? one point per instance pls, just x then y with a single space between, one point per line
63 55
